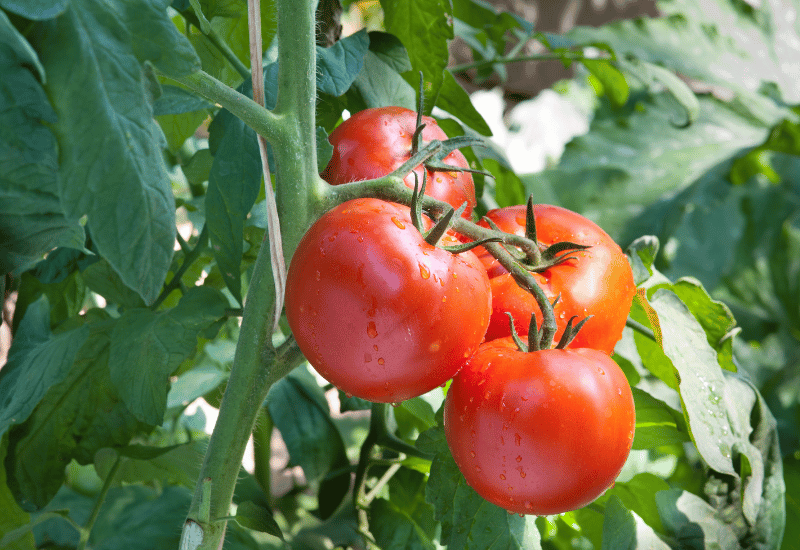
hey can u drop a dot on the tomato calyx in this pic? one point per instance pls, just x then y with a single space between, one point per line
535 333
527 251
434 235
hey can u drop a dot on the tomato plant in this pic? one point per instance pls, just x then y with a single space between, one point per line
378 311
374 142
145 230
540 432
596 282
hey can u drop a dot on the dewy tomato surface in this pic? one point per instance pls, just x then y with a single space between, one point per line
596 282
539 432
374 142
379 312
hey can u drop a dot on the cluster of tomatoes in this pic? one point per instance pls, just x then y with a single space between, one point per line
385 315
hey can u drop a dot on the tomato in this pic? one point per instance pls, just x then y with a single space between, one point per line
597 282
374 142
542 432
379 312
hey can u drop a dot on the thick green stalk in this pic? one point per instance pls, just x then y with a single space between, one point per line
264 122
257 365
299 189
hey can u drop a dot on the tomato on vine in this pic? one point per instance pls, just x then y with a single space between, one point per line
596 282
540 432
378 311
374 142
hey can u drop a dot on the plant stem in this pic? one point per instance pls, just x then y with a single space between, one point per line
299 189
226 51
101 498
263 121
641 329
188 260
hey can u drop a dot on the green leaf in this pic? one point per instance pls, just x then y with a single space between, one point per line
701 383
37 361
468 521
657 424
36 10
693 522
31 219
99 93
101 278
653 75
255 517
179 464
509 189
299 409
228 19
388 48
614 84
66 297
75 418
424 27
624 530
455 100
380 85
175 101
394 530
338 66
638 495
156 39
13 517
705 40
629 160
147 347
233 187
714 316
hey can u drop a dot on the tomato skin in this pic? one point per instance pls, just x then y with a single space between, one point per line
597 282
379 312
542 432
374 142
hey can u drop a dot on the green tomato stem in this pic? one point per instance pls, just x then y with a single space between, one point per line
86 531
263 121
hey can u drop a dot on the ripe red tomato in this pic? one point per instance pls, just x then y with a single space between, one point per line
542 432
598 282
379 312
374 142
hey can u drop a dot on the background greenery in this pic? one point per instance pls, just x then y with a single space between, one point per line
130 226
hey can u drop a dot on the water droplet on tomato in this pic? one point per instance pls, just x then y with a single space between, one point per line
619 391
398 223
424 272
502 442
522 474
601 371
332 238
375 347
381 360
360 239
444 299
529 506
502 476
372 331
319 275
478 469
519 458
434 347
367 357
517 439
348 395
